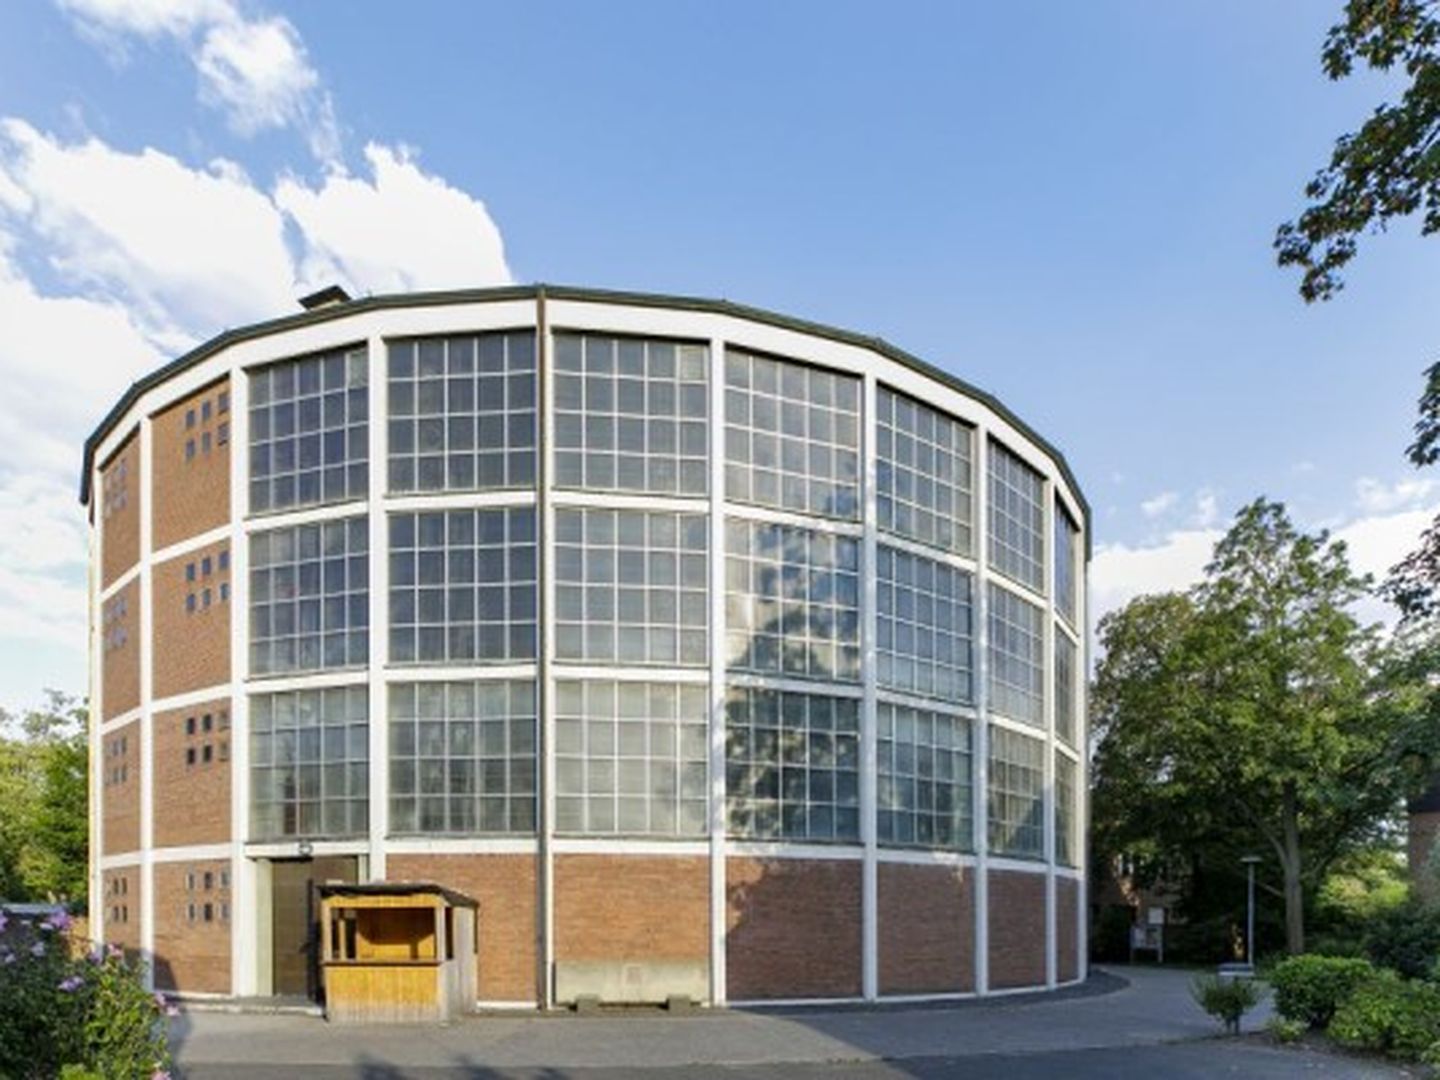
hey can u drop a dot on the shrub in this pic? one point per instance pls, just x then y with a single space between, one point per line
1389 1015
1310 988
1285 1031
79 1016
1226 999
1406 938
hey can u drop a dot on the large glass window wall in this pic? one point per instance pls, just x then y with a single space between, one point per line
1067 848
630 758
462 757
923 472
462 412
1016 796
924 779
792 765
631 587
309 764
310 597
792 601
792 436
631 415
463 586
1017 519
1017 650
1067 541
1066 660
923 625
309 441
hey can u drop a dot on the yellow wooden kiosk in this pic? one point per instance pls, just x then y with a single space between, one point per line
397 952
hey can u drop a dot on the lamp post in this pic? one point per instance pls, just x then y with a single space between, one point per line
1250 861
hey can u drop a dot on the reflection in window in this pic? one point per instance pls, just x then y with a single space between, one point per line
462 412
792 600
1065 668
630 758
923 625
922 472
792 436
1066 849
462 586
310 597
309 771
792 765
924 778
1015 799
1067 538
1016 649
631 415
462 757
630 586
308 431
1017 519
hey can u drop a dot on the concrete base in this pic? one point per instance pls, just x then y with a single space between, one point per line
619 982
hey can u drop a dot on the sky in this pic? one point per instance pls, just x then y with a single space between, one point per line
1069 205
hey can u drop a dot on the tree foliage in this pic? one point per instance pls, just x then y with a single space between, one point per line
43 802
1255 714
1390 167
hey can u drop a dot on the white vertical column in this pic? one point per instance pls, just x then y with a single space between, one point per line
544 684
980 493
244 913
1082 745
147 684
95 709
869 875
1047 685
718 904
379 563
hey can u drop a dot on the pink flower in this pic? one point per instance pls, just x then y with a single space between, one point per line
70 985
38 949
114 952
59 921
160 1074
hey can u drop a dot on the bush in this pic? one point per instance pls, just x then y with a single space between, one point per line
1406 938
1226 999
79 1016
1285 1031
1389 1015
1310 988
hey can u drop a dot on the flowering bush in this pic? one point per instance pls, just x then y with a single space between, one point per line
63 1015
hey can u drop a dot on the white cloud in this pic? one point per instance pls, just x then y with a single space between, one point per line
255 70
1207 508
1375 497
1160 504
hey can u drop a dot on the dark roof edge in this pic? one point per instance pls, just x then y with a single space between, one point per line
569 292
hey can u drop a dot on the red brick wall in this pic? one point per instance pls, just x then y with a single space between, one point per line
1017 929
192 795
926 928
192 491
1067 933
792 928
505 888
192 644
120 651
120 910
119 510
192 951
632 907
120 790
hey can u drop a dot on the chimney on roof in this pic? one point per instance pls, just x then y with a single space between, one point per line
326 297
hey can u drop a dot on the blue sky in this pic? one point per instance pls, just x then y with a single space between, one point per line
1070 205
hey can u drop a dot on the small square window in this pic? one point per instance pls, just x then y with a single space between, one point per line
204 411
224 591
225 560
207 722
190 602
205 566
224 750
224 879
190 755
190 912
205 442
205 598
189 449
190 881
207 753
189 419
209 881
190 571
222 403
224 912
222 433
209 912
190 725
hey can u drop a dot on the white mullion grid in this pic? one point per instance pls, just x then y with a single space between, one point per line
1047 684
790 684
308 515
245 916
782 849
980 767
545 616
570 499
455 500
769 516
918 856
966 563
318 680
1082 745
630 845
869 875
285 849
94 644
1014 862
719 908
378 770
566 671
908 700
421 673
147 682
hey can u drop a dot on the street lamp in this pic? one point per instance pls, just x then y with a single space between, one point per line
1250 861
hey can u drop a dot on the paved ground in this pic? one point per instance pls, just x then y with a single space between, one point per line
1126 1031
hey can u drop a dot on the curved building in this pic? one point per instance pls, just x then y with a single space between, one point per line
712 652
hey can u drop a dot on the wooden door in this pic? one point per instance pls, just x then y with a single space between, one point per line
295 908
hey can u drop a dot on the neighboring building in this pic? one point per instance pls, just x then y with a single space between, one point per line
712 652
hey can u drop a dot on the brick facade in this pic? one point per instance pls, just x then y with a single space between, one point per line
190 460
609 907
120 502
192 926
1067 930
120 907
120 651
1017 929
505 888
120 790
191 759
192 621
926 928
792 928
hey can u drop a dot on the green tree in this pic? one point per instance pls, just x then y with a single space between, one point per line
1390 167
1255 710
44 799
